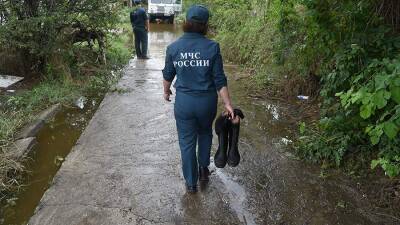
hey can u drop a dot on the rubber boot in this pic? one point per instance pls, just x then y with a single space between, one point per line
221 128
233 154
191 189
204 173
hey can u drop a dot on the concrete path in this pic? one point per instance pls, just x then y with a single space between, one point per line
125 168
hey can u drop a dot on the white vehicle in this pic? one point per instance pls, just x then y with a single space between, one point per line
178 6
162 9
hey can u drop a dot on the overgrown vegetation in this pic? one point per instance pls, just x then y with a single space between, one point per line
344 53
74 48
357 59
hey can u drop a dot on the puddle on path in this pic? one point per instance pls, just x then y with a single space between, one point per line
273 187
55 141
237 196
268 187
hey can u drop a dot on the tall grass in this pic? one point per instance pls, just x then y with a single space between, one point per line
68 77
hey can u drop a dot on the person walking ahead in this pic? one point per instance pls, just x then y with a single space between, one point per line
197 63
141 25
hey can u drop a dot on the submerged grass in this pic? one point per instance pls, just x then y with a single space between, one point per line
85 76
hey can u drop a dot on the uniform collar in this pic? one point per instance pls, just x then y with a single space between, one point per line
190 35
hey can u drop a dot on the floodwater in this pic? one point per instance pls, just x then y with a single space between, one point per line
280 188
6 80
270 186
55 141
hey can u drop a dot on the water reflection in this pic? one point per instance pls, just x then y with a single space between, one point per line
80 102
55 141
238 197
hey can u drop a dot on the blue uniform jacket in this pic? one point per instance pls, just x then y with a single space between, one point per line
138 18
197 63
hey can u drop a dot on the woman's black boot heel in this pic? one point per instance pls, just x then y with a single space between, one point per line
221 128
233 154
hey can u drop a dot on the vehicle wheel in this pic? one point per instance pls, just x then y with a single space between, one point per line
171 19
152 19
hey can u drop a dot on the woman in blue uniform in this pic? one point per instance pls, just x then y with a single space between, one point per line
196 61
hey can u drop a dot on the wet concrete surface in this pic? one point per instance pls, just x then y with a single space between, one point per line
125 168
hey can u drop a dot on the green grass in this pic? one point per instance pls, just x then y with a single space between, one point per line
121 45
58 87
21 109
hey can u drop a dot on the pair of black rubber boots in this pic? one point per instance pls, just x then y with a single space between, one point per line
228 136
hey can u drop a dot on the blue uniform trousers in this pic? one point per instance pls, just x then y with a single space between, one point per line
141 41
194 115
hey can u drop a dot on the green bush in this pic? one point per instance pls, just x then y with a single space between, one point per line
360 79
39 29
68 70
347 52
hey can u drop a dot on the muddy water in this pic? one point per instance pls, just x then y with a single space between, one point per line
270 186
55 141
279 188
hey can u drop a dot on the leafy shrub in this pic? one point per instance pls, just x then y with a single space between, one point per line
39 29
359 68
68 70
347 52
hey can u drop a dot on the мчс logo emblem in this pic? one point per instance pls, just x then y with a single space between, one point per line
191 59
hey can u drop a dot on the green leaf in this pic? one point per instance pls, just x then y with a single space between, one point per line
375 163
397 81
339 94
390 129
375 139
375 134
302 127
358 95
395 92
390 169
380 81
344 97
366 111
368 129
380 97
387 95
366 98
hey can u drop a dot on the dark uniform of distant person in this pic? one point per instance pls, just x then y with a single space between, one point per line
141 26
196 61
